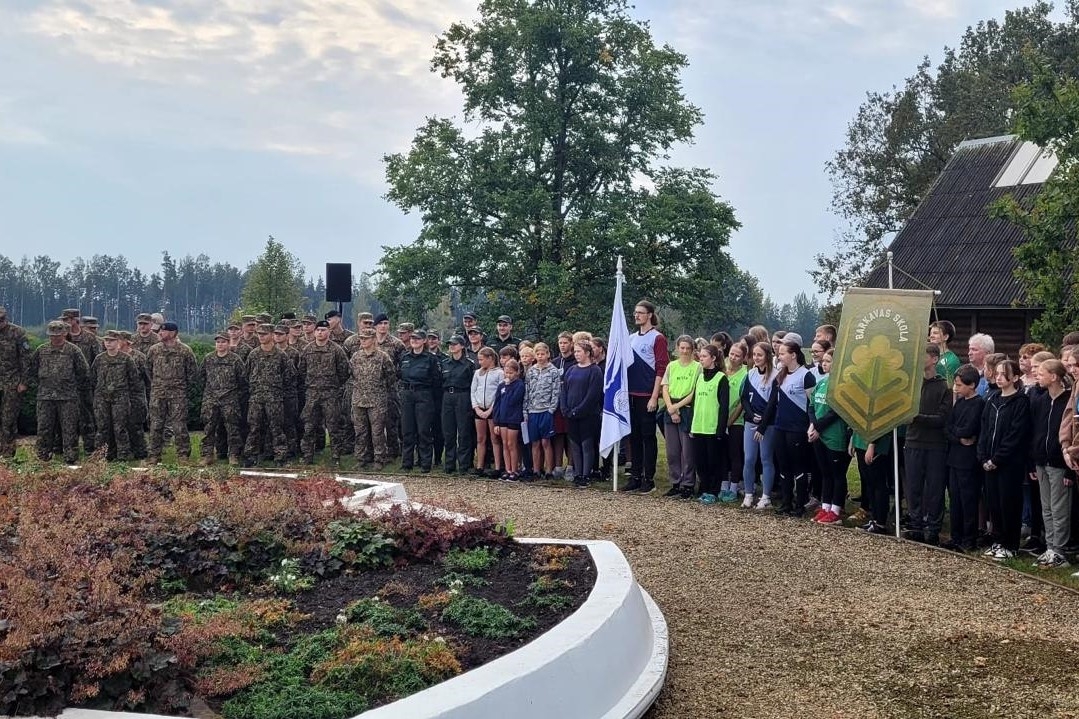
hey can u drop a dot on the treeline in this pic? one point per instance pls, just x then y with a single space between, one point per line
199 294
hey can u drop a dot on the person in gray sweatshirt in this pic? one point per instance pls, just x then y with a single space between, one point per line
926 454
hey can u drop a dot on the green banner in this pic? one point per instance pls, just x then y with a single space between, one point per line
877 370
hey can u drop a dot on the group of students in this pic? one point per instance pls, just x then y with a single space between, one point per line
994 440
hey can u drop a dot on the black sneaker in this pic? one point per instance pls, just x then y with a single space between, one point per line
647 487
685 493
913 535
580 482
633 485
673 492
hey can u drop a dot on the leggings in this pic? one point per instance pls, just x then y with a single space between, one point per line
875 484
1004 490
582 433
832 467
763 451
736 454
710 455
793 457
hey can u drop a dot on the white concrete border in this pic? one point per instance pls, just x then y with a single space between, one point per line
607 660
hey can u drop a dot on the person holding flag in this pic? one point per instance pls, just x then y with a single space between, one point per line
644 376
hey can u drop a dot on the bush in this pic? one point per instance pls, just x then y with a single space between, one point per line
423 537
479 559
481 618
384 619
351 544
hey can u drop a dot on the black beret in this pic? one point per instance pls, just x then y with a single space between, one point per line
331 313
170 327
322 323
381 317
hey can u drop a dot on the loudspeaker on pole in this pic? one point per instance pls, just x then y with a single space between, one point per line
338 282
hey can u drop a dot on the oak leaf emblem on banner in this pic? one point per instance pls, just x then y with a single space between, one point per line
874 388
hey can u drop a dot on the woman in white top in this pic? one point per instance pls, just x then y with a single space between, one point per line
485 384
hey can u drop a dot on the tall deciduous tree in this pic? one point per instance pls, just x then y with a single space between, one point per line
573 106
274 282
1048 115
900 140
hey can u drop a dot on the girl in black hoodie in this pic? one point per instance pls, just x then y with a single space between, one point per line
1002 448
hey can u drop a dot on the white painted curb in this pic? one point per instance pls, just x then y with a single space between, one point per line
607 660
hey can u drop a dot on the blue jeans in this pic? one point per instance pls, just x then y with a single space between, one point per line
766 451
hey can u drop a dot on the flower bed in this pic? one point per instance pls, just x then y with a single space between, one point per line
265 598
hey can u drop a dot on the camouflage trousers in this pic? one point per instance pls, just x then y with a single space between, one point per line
266 423
221 418
348 436
393 426
58 422
322 407
292 411
135 432
87 425
10 403
169 412
370 426
112 417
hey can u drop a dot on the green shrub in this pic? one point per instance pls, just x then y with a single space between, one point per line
547 593
481 618
352 544
385 619
293 701
479 559
458 579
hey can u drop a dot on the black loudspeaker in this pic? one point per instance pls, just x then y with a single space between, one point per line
338 282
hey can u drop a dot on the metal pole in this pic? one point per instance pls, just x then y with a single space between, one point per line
614 466
895 432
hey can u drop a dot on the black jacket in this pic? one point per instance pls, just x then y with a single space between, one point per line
1045 416
926 430
1005 430
964 422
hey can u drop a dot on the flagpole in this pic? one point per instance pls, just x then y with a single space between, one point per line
895 430
618 277
615 422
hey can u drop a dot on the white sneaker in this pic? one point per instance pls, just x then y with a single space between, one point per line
992 551
1002 554
747 502
1044 558
763 503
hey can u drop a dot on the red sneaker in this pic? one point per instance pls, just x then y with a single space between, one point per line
831 518
820 515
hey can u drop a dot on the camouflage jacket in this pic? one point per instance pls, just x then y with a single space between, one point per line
323 367
268 373
91 347
171 370
223 378
59 372
14 355
144 376
374 378
115 377
392 346
143 344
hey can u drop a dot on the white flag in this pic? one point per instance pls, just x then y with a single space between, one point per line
615 386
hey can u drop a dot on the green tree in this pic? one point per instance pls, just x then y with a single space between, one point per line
1048 115
899 141
571 107
274 281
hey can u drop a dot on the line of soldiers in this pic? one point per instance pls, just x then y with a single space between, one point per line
268 390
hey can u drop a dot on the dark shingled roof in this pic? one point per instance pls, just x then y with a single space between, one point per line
951 244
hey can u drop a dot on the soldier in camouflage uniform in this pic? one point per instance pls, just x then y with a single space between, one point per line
90 350
307 324
323 370
91 325
140 400
268 372
14 361
173 370
374 381
351 345
116 381
248 335
223 376
59 369
292 391
236 343
144 337
338 333
396 349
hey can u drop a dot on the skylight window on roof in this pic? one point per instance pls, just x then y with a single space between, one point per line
1020 164
1041 169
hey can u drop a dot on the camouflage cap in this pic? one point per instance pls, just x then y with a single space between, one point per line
221 336
70 314
144 317
90 321
365 316
232 326
265 329
406 327
158 318
366 333
56 327
113 335
248 319
309 319
126 336
265 318
280 330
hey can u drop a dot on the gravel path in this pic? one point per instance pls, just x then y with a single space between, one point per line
772 617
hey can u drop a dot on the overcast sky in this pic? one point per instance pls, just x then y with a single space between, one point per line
202 126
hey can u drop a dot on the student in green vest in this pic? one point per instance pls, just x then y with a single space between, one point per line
828 437
677 388
941 333
711 403
736 421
